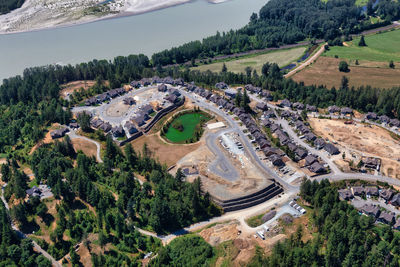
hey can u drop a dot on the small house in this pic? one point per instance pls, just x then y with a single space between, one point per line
371 210
358 190
372 191
386 217
316 167
386 194
331 149
262 106
333 109
276 160
345 194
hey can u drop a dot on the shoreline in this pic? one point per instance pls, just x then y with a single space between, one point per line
118 15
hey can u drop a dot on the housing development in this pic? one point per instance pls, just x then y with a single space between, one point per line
277 144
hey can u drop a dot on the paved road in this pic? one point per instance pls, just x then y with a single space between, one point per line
240 215
359 202
221 166
361 176
73 135
101 110
246 143
337 174
23 236
322 154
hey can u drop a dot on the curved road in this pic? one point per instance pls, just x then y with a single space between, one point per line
246 143
73 135
337 174
220 166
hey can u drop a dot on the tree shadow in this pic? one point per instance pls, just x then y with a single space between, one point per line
29 227
78 205
48 219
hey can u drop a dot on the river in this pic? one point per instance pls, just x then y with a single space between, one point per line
146 33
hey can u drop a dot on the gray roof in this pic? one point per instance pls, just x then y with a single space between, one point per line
371 210
310 159
333 109
372 191
386 194
345 194
386 217
331 149
316 167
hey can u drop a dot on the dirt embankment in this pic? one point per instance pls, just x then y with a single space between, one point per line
164 152
236 248
70 88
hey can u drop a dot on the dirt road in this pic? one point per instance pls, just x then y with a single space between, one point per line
307 63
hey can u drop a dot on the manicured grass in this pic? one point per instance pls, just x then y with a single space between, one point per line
281 57
380 47
189 121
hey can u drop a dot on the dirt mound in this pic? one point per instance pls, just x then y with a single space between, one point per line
220 233
241 243
269 216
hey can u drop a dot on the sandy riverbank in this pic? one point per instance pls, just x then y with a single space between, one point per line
46 14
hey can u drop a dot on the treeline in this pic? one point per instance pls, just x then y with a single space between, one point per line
342 237
8 5
283 22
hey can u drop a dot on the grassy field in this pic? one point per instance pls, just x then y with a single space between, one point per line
361 2
255 220
380 47
325 71
189 122
281 57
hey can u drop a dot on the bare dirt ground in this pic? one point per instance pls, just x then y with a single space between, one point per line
251 178
164 152
325 71
239 249
361 139
47 138
45 230
117 109
71 87
88 148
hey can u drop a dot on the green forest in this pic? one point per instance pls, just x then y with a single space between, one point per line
282 22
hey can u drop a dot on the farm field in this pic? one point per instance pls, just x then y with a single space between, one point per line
325 72
380 47
189 122
280 57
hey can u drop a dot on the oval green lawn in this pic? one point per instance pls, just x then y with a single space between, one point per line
189 122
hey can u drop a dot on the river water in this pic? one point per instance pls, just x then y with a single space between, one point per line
146 33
